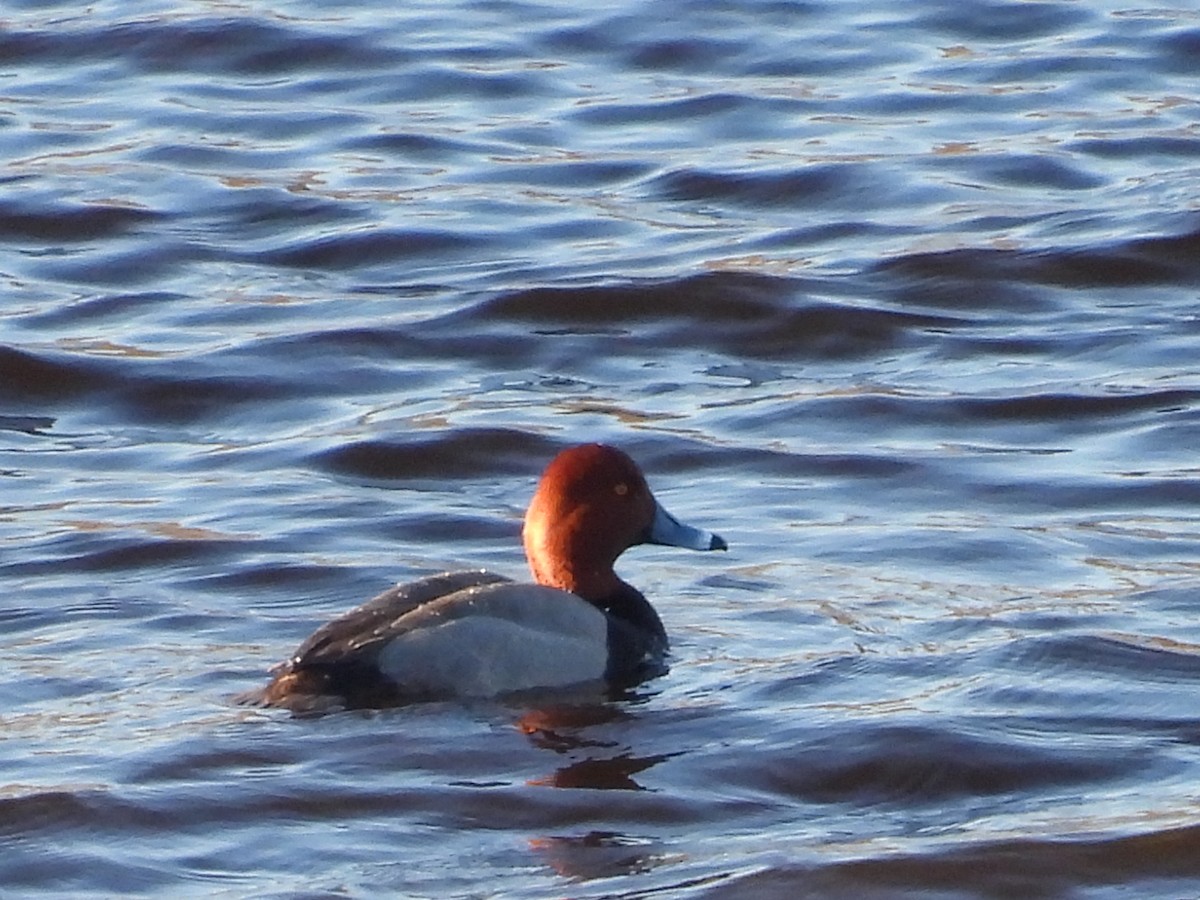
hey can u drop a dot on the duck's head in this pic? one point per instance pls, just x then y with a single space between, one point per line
592 504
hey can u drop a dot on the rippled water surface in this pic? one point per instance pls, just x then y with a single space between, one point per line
902 299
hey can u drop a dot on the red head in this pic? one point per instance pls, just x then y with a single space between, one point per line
590 506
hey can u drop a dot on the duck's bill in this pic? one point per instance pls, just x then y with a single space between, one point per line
669 531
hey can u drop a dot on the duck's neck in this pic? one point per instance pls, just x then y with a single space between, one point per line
628 604
600 586
592 582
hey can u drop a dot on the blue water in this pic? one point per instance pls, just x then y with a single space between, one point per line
901 299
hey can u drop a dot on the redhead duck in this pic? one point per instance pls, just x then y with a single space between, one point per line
478 634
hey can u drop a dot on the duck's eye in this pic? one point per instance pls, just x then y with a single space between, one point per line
621 489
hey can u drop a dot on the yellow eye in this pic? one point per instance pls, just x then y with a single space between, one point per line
622 489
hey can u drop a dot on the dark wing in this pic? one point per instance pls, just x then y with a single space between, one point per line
357 636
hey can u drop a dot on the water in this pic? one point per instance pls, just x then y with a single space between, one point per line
901 299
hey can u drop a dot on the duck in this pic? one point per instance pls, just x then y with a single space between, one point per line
478 634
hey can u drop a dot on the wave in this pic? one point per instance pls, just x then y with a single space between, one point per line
1021 867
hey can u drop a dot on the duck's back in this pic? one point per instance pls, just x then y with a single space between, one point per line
364 630
339 661
459 634
498 638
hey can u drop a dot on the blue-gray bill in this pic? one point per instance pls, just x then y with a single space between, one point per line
670 532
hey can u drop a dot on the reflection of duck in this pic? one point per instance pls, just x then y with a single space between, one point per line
477 634
612 774
557 728
598 854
